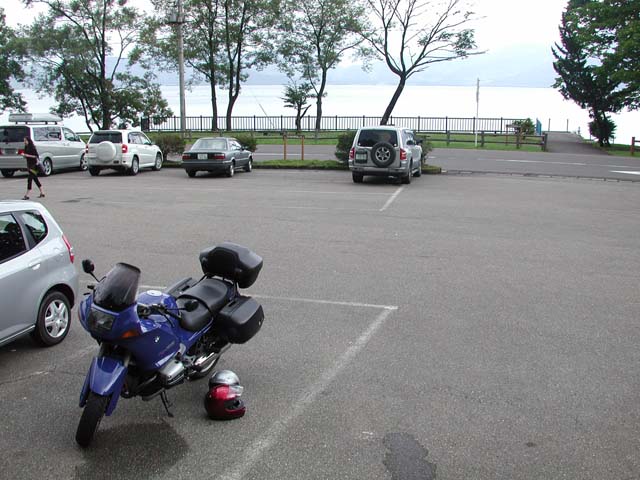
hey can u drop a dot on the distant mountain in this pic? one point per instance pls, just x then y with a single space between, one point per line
530 66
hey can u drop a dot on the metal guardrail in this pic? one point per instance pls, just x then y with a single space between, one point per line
334 123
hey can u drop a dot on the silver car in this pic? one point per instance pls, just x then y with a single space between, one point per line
387 151
217 154
58 146
38 279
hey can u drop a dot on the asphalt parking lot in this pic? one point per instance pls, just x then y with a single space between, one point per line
460 327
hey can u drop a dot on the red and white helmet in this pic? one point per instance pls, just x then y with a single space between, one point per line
222 401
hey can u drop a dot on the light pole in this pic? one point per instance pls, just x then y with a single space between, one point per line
178 21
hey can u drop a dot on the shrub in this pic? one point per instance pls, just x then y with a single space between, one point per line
169 143
603 130
344 145
247 140
526 126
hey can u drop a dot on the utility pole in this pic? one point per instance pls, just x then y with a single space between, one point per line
178 21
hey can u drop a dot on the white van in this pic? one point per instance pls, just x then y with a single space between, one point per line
59 147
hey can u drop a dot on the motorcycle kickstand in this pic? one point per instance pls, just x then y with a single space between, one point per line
167 404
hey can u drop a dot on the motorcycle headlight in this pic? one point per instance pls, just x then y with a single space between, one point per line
99 321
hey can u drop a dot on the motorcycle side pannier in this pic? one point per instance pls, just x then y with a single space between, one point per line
240 319
233 262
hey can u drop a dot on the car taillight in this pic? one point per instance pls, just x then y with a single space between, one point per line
185 156
21 151
86 148
218 156
403 154
72 256
352 153
125 148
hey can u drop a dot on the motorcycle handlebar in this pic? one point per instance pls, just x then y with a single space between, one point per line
144 310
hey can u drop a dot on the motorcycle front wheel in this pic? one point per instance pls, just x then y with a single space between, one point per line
90 419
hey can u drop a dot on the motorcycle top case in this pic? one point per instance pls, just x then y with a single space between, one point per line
240 319
232 262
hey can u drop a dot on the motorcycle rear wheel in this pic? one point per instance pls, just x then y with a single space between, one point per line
90 419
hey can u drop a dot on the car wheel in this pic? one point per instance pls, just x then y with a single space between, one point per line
407 178
383 154
7 173
231 170
94 171
54 319
135 166
249 166
83 163
192 173
158 165
47 167
90 420
357 177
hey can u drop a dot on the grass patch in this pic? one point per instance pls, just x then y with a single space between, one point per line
617 149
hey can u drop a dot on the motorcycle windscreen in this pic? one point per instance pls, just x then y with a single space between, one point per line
118 289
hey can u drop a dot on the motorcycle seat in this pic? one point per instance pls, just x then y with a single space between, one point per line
212 294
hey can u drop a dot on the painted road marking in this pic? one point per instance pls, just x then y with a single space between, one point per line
393 197
254 452
627 172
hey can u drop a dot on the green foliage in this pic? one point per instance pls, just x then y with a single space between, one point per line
247 140
75 66
603 129
10 67
526 126
169 143
296 97
345 141
315 37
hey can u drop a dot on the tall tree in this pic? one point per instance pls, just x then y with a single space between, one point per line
316 37
202 39
583 77
247 35
610 32
409 43
10 67
82 62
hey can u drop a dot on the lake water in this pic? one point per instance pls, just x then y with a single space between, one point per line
545 104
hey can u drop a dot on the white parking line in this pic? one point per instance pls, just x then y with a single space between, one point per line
393 197
254 452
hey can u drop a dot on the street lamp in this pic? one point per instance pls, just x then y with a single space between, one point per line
177 19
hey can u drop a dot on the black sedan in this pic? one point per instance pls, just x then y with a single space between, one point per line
216 154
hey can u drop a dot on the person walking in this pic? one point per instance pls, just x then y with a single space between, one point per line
31 156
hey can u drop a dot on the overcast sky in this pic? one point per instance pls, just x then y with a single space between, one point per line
505 23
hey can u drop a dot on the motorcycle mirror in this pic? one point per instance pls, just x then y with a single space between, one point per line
88 266
191 305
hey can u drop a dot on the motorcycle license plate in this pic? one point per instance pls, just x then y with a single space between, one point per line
361 157
202 156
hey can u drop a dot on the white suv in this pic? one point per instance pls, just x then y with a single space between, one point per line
58 146
385 151
125 150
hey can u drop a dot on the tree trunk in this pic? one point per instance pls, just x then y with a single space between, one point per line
392 104
320 94
214 106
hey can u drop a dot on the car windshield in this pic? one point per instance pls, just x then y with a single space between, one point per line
113 137
210 144
368 138
118 289
11 134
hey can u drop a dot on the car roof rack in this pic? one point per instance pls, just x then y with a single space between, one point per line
44 118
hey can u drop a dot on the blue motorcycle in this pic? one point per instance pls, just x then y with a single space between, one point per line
154 341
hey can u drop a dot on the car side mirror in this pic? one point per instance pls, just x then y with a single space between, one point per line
191 305
88 266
